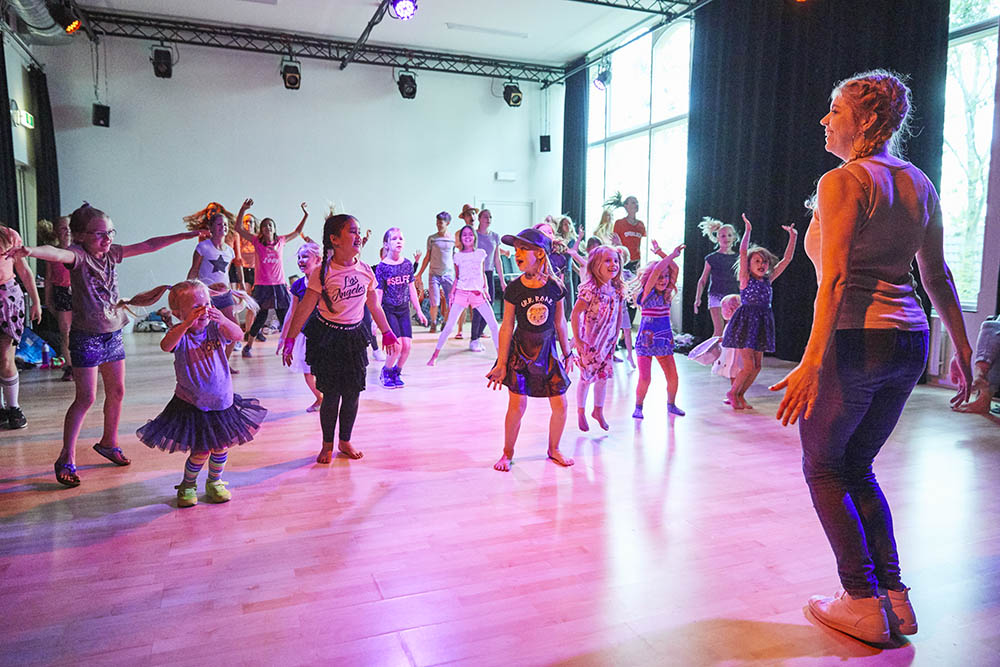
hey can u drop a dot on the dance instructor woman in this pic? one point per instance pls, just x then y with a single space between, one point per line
868 344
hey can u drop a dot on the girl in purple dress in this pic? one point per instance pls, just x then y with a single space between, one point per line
751 329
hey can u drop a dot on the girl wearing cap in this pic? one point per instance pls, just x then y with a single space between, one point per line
527 361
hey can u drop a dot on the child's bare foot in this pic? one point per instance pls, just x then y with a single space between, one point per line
503 465
557 456
433 359
743 403
325 454
733 400
631 361
346 449
581 420
599 416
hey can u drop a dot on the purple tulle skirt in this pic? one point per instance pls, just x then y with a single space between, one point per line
182 427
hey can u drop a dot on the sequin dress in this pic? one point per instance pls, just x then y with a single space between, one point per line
752 325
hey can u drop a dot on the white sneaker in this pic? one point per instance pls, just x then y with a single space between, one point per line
899 611
379 355
238 346
475 346
862 618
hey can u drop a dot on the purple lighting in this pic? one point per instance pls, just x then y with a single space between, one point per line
404 9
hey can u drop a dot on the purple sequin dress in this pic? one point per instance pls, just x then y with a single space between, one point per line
752 325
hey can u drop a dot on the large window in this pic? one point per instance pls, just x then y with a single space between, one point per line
968 133
637 133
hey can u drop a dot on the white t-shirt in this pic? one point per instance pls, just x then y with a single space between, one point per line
470 269
347 288
214 267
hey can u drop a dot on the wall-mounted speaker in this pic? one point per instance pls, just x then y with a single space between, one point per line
545 143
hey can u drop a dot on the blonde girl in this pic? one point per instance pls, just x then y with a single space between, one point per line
719 272
595 321
397 291
527 362
656 287
309 257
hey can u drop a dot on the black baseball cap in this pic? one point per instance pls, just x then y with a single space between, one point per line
530 236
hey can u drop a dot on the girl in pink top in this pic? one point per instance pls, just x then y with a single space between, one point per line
270 289
336 343
12 313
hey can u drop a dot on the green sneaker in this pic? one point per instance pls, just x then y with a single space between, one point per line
217 491
187 495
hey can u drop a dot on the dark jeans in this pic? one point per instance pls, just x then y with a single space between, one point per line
866 378
478 323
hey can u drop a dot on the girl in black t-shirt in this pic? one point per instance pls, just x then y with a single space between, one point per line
527 362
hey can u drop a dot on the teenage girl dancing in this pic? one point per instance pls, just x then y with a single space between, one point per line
527 362
336 345
204 418
95 343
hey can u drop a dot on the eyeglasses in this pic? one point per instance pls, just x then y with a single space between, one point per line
104 236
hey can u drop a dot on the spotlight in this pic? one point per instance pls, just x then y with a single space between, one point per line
403 9
603 78
163 61
291 73
407 84
512 94
65 15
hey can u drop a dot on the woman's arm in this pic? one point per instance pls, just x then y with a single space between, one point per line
298 228
158 242
780 267
195 265
744 246
937 279
841 205
27 277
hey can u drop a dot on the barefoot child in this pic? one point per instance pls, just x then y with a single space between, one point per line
204 418
527 363
95 343
336 345
12 321
657 285
309 256
596 319
469 290
396 290
751 330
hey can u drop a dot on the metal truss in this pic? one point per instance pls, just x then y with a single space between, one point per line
665 8
177 31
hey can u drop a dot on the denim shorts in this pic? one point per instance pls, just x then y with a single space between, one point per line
87 350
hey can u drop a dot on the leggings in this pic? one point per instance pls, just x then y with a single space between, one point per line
261 319
344 405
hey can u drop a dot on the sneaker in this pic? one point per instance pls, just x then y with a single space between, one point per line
378 354
238 346
862 618
387 379
475 346
247 352
674 410
397 380
261 337
899 611
217 491
15 419
637 413
187 495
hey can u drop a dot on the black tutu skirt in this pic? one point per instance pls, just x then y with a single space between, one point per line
533 367
182 427
337 355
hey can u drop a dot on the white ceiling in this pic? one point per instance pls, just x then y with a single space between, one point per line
538 31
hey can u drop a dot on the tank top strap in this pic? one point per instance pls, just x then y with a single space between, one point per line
860 172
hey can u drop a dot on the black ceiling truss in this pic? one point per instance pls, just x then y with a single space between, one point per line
159 29
665 8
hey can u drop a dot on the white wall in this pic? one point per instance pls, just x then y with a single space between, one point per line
17 87
224 128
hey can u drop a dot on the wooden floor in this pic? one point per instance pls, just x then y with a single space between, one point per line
688 541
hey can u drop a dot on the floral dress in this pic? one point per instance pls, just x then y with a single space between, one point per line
599 327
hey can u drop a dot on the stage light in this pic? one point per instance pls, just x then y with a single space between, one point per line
512 94
65 15
291 73
603 78
407 84
403 10
163 61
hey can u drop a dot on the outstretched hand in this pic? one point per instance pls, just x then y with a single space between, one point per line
676 252
247 203
791 230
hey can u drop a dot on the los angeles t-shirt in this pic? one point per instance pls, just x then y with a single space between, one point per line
346 287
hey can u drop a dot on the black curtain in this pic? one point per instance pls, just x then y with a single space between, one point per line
762 72
44 138
575 144
9 212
